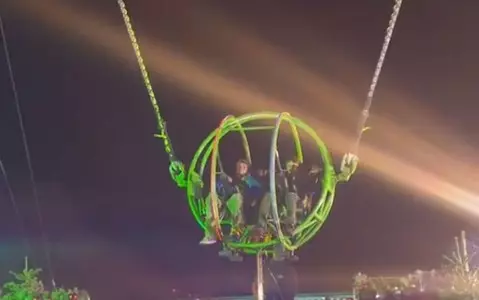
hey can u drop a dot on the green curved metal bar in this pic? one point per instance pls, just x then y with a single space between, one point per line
232 123
312 224
203 154
297 141
272 178
190 186
230 119
213 194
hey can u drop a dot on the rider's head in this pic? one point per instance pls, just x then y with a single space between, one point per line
242 167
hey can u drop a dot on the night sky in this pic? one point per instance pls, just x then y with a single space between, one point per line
113 216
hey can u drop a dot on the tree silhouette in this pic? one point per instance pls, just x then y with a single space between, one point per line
27 286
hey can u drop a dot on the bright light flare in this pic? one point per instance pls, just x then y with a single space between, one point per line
409 160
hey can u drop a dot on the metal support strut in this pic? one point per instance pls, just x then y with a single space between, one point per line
259 276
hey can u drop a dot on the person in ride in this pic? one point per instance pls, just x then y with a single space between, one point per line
291 195
264 210
287 191
224 190
311 185
245 186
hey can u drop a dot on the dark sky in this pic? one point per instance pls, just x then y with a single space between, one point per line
114 217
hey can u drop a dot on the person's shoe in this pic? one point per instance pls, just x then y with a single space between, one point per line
208 240
234 236
268 237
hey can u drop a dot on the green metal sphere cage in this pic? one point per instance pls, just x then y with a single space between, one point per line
208 153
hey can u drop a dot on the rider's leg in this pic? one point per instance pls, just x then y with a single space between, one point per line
291 206
264 211
235 207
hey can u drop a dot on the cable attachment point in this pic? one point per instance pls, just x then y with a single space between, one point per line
177 173
349 165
